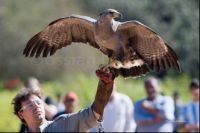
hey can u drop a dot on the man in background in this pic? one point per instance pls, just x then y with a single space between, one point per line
70 101
156 112
190 113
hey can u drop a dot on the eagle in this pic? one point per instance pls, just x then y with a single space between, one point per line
133 48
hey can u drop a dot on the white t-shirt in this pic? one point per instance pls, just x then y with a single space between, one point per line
118 115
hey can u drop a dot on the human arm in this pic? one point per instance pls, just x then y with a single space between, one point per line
104 91
162 110
145 105
141 116
50 111
144 117
87 118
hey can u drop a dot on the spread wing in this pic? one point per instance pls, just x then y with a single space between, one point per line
61 33
149 46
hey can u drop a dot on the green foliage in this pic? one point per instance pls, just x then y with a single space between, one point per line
86 87
8 122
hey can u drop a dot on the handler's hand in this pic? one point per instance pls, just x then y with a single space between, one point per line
107 75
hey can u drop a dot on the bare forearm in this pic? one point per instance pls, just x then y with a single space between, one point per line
103 94
104 90
151 122
151 110
50 111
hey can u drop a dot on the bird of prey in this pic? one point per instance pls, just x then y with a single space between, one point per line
133 48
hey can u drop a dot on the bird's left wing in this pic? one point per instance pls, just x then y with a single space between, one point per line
60 33
149 46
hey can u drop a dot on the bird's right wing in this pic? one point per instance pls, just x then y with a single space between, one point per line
61 33
149 46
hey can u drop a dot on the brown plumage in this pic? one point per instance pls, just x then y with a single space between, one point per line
133 48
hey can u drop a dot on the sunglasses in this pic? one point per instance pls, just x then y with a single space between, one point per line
31 104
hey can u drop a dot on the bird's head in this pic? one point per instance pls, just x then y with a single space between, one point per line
111 13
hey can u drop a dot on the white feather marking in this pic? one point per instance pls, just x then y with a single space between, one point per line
115 25
126 64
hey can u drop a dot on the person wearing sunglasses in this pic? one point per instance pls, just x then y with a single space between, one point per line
28 106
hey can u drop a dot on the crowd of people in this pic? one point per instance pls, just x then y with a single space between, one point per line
111 110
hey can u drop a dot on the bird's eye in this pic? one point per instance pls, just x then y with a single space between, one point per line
111 12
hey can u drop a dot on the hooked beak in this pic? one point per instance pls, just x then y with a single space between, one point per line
117 16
